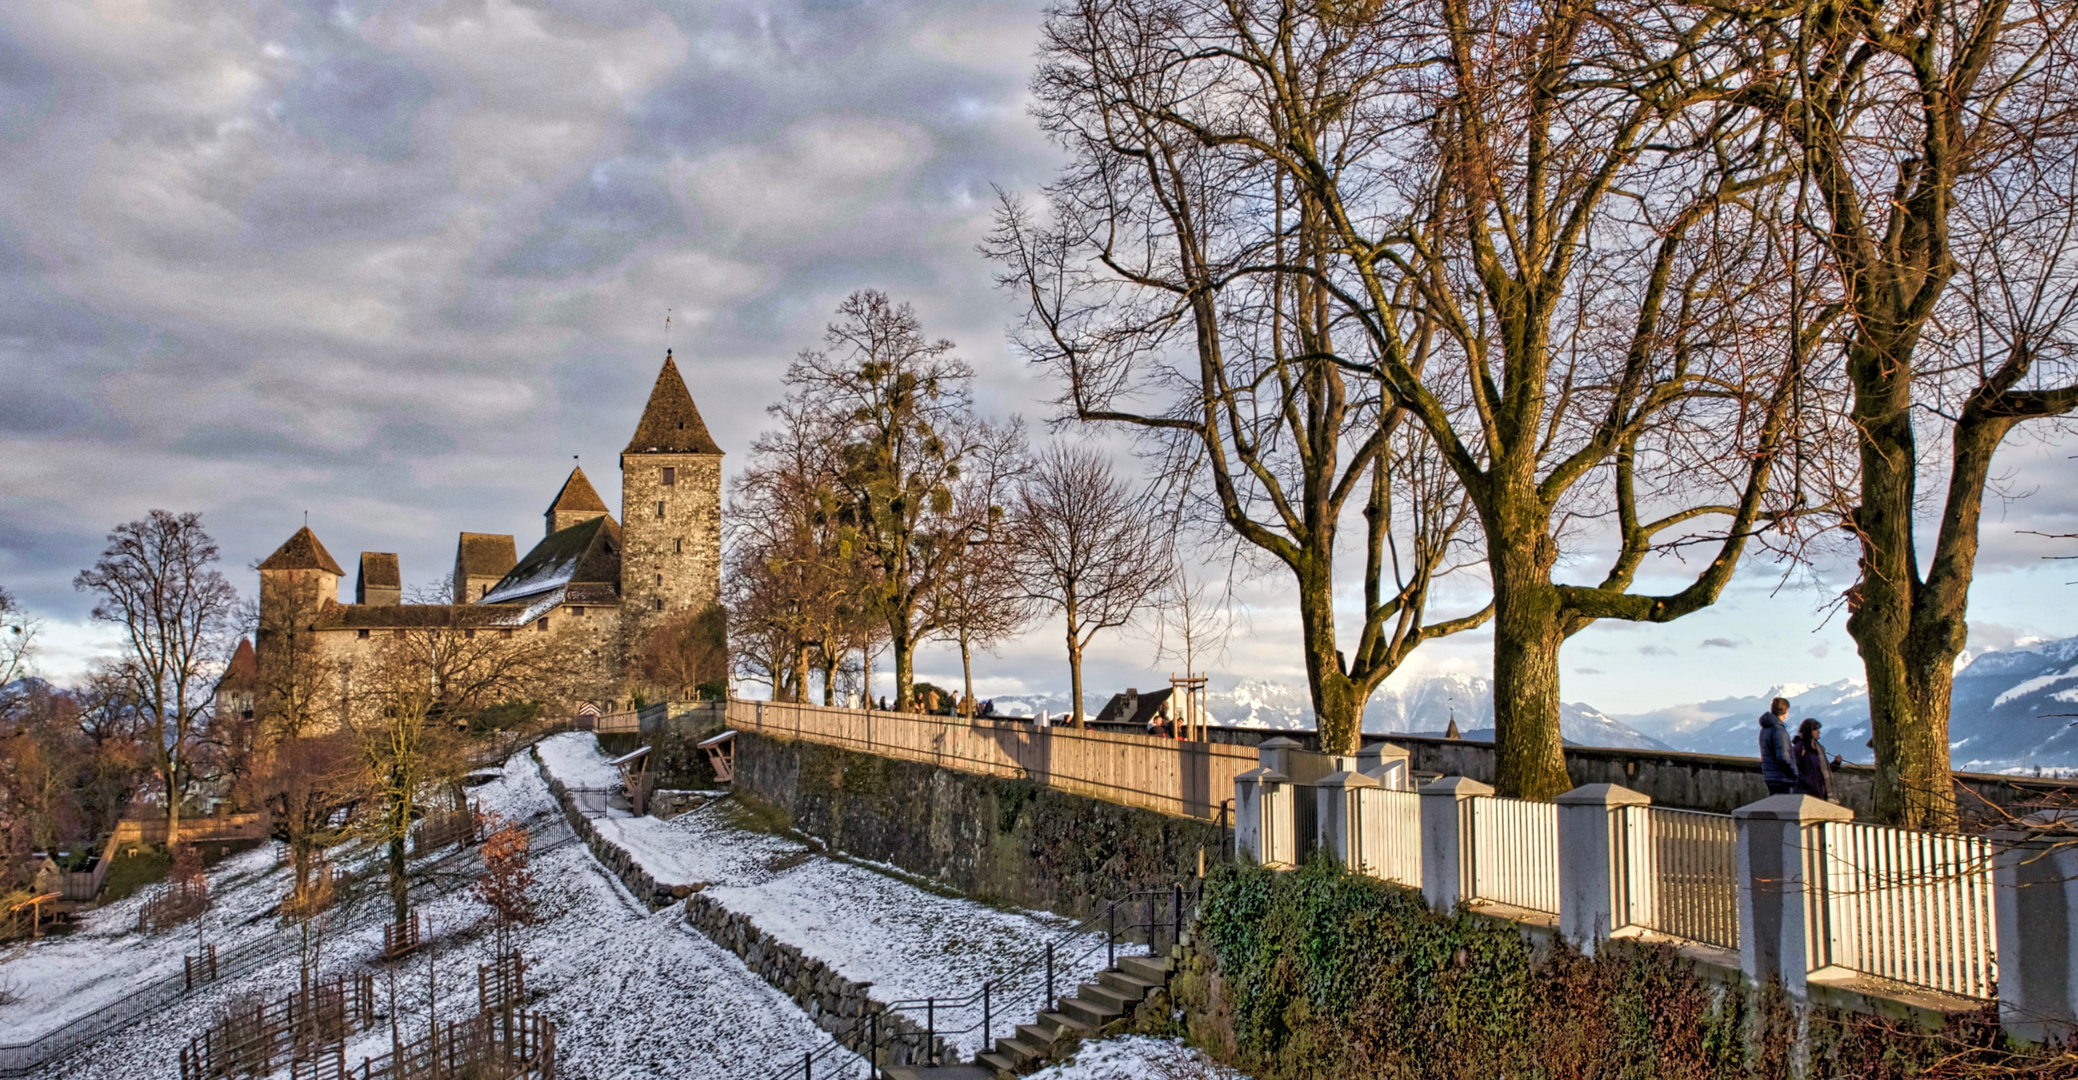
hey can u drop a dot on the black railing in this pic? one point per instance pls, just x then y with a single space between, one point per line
915 1031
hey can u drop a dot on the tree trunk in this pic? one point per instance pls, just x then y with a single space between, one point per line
1337 712
1529 761
905 662
171 772
830 681
967 666
400 901
1071 615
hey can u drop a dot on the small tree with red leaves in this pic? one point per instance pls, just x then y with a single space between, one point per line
507 879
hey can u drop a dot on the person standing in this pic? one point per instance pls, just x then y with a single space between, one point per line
1814 772
1778 759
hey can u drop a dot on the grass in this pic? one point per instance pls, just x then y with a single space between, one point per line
134 869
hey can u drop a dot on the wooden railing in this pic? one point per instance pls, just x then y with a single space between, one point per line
1190 779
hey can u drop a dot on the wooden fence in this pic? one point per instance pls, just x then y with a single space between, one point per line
1191 779
309 1024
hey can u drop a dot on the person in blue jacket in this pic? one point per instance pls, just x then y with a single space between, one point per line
1778 761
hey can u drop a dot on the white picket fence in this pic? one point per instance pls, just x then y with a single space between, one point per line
1388 824
1907 906
1515 853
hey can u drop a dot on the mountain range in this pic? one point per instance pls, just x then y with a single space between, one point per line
2013 710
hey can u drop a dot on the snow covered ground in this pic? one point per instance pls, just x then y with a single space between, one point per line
634 995
1137 1057
871 926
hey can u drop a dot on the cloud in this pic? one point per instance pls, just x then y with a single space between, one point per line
1656 650
1820 651
1587 671
1721 643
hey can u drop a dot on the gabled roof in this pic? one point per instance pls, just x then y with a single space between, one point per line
670 422
1145 708
302 552
379 569
577 496
587 553
244 669
485 554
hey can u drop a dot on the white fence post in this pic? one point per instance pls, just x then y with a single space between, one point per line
1340 822
1387 764
1594 862
1446 840
2035 884
1777 904
1262 806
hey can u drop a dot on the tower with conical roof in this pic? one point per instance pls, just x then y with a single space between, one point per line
576 504
671 508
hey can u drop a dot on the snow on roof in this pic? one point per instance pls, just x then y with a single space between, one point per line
721 738
626 758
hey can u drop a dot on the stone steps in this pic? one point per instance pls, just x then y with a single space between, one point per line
1117 990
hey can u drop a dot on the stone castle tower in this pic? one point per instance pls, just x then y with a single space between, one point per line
671 506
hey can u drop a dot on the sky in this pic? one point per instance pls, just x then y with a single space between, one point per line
393 265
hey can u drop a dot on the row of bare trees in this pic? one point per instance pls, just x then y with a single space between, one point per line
883 513
1598 297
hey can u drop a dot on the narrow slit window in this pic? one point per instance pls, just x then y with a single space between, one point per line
660 510
659 602
542 625
660 579
678 547
360 633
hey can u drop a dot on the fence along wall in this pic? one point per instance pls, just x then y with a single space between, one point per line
1189 779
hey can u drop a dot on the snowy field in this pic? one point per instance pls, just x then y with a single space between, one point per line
1137 1057
634 995
910 943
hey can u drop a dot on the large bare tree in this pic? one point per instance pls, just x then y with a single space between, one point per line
1937 144
1088 547
158 582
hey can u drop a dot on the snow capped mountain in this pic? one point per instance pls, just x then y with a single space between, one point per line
2012 709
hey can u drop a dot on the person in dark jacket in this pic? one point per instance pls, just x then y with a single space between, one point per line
1814 772
1778 760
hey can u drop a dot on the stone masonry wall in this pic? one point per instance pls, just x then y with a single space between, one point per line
675 558
1000 839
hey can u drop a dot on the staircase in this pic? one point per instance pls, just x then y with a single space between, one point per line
1095 1005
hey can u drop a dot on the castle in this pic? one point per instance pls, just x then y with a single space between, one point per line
595 586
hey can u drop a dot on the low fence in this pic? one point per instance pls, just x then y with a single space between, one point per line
1190 779
1911 907
1827 898
305 1026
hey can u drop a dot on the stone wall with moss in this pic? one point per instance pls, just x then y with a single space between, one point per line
1319 973
999 839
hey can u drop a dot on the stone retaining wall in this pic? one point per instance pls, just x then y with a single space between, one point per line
995 838
646 888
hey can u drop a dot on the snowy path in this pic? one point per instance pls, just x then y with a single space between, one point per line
1137 1057
910 943
634 995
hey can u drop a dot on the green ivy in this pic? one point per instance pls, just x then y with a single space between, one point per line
1319 973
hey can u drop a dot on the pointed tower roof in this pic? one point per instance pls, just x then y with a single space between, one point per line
244 667
577 496
302 552
670 422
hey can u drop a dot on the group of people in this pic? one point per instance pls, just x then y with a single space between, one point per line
928 702
1794 765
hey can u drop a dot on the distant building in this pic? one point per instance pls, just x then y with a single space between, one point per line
1136 708
597 585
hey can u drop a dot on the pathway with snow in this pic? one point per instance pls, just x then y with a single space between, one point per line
869 925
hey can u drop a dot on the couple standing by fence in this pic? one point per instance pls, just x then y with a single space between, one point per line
1794 766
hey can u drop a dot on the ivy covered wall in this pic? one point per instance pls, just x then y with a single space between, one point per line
1319 973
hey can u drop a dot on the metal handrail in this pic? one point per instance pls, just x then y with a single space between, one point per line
1160 909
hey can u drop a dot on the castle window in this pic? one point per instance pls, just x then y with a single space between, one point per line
397 633
659 602
577 611
506 632
670 476
542 625
660 510
660 579
469 634
678 547
360 633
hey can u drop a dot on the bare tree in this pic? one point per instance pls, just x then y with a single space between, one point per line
18 633
1087 547
687 654
1937 143
406 755
157 580
900 414
981 602
1540 236
1192 625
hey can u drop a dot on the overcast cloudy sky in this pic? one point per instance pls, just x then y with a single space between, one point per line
394 263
